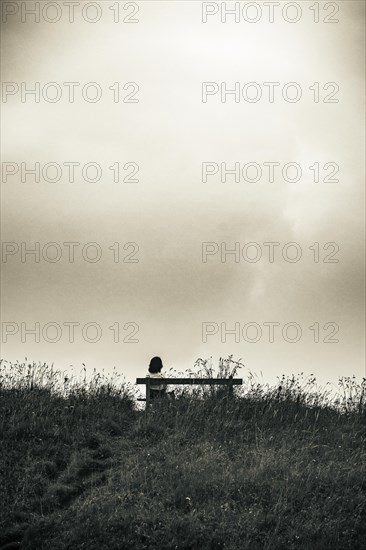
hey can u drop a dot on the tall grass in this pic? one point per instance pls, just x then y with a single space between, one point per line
259 468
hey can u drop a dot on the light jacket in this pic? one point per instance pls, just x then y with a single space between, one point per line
155 375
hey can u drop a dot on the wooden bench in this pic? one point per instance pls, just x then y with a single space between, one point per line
148 382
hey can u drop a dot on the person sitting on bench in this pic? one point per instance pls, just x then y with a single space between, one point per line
155 367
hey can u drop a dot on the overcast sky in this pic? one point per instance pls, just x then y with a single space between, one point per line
170 292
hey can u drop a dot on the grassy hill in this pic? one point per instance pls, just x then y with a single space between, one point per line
263 469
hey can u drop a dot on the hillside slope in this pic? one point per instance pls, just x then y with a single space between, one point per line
87 470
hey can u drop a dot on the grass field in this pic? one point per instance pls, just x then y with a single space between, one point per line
268 468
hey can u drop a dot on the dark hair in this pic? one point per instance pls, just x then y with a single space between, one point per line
156 365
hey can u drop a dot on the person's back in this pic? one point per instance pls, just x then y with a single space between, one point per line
155 367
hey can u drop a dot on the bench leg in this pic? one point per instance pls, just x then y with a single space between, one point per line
147 406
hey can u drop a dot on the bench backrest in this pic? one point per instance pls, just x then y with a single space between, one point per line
191 381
